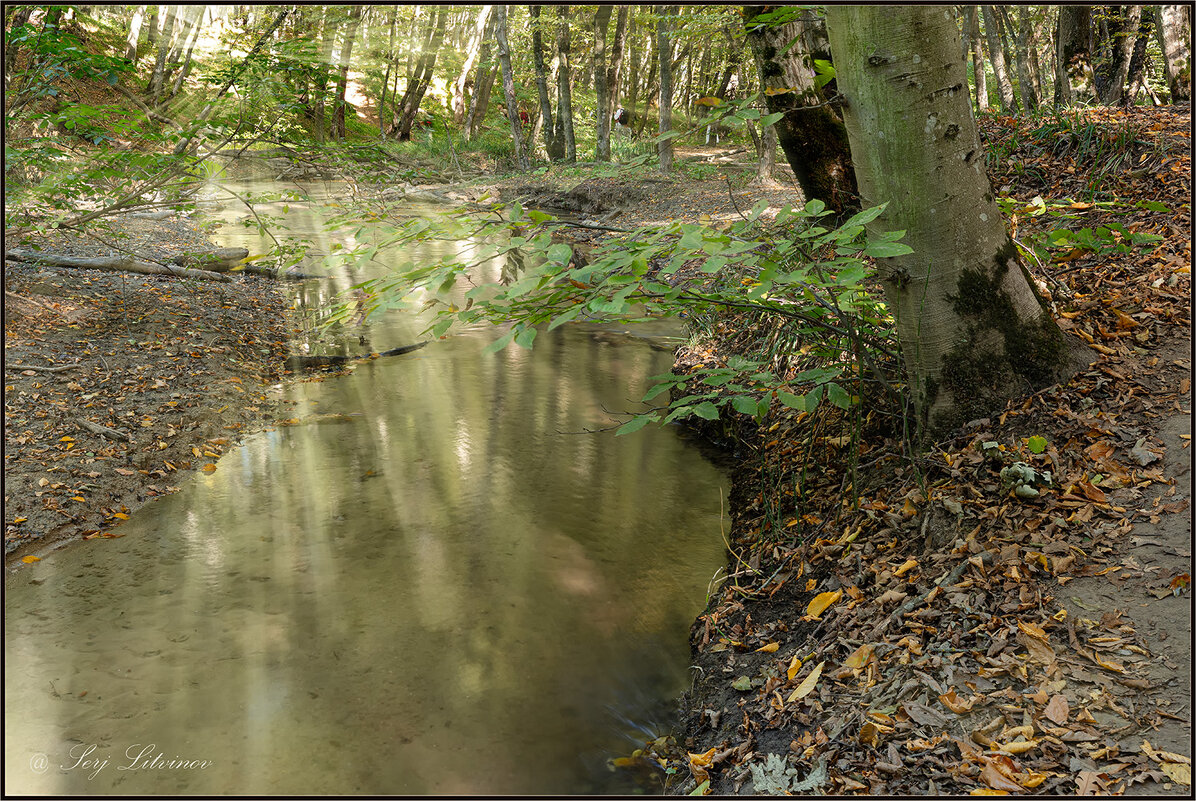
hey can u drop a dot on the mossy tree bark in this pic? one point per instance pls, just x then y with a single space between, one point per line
811 135
973 332
1073 56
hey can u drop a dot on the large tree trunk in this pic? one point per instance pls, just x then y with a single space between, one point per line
978 71
811 135
564 93
1111 77
1175 34
996 54
1073 56
554 146
508 86
601 87
664 148
973 332
460 99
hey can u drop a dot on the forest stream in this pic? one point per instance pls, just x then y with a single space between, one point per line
439 581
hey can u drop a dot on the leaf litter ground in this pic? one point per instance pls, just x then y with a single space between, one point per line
973 641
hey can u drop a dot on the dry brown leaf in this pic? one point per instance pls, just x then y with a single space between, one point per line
859 657
1057 709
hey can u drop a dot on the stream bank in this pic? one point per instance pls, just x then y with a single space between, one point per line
177 370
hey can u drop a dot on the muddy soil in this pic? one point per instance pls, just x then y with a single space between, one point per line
169 373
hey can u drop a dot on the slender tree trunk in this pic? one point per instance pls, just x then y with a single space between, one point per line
614 72
664 148
766 161
996 54
978 70
1111 78
151 30
390 62
342 76
1022 58
1175 33
164 41
1136 77
554 147
413 95
811 135
134 33
508 87
174 60
636 69
185 67
332 21
973 332
564 97
601 87
460 102
479 101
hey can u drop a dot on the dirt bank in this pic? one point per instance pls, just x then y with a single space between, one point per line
117 386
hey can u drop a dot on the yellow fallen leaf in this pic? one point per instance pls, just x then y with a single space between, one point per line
859 657
988 791
906 566
79 498
196 451
822 601
769 648
66 439
1033 629
120 515
19 520
1180 774
1020 747
1030 779
30 559
794 666
807 686
208 468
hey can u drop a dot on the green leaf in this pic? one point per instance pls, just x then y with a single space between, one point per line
745 405
770 119
525 337
838 396
743 684
887 250
706 410
815 206
797 402
1036 444
501 342
862 218
635 424
702 788
1152 205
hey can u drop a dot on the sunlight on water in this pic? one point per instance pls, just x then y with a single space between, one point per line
440 586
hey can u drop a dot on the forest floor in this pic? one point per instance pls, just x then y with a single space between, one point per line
177 367
942 635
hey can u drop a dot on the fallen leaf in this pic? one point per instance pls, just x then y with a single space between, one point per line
859 657
794 667
208 468
807 685
1181 774
997 780
1057 709
30 559
769 648
906 566
743 684
952 701
870 734
822 601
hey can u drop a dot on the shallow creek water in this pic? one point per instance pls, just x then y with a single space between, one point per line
438 585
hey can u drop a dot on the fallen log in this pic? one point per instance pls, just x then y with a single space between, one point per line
103 431
218 261
58 369
300 361
112 264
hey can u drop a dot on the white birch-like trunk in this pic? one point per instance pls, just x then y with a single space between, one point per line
973 332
